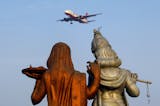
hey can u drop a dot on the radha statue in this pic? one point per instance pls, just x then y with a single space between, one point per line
63 85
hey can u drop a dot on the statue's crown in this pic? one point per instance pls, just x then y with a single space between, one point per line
103 51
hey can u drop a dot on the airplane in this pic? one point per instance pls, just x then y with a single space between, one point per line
79 18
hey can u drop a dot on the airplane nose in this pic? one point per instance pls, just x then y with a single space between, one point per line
68 11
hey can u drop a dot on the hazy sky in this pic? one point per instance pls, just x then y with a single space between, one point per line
28 30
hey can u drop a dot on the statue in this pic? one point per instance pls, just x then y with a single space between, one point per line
113 79
63 85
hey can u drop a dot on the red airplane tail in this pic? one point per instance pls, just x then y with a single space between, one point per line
86 14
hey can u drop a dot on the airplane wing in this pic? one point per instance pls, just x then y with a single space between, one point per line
91 21
85 16
66 19
92 15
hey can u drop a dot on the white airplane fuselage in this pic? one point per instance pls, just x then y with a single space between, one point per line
74 16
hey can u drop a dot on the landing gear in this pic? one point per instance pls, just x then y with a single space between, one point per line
71 22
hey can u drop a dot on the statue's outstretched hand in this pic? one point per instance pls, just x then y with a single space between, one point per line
34 72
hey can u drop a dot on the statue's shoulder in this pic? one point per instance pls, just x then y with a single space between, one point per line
125 71
113 77
79 74
112 73
46 75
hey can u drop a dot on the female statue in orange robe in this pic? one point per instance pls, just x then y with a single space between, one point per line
61 83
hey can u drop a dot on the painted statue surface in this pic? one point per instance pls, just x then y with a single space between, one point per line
60 82
114 80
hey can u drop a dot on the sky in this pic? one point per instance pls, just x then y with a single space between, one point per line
28 30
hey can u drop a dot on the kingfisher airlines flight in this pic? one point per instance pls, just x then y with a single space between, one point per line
79 18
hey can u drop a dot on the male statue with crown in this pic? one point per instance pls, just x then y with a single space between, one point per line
113 79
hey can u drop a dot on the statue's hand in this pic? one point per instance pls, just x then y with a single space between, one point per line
93 67
134 76
34 72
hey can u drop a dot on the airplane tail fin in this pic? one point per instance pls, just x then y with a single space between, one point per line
86 14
